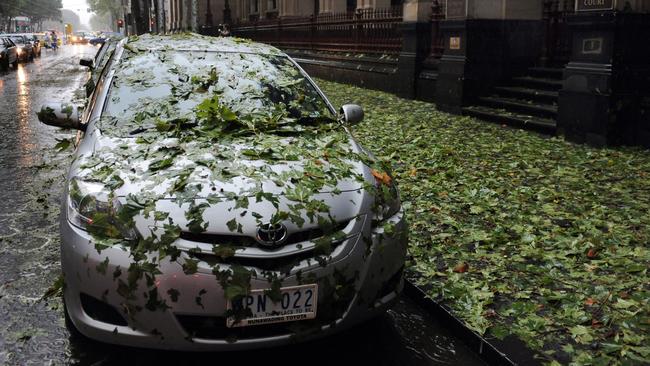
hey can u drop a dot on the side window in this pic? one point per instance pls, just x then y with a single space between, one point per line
98 91
100 53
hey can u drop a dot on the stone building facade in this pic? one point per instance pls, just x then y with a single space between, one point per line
246 10
572 67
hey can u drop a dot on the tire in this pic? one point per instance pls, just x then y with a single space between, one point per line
4 66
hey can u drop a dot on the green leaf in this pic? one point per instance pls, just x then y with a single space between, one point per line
232 225
62 144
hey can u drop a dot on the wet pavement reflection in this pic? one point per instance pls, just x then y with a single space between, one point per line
33 332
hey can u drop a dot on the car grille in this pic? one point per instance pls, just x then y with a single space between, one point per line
270 263
280 264
234 240
246 241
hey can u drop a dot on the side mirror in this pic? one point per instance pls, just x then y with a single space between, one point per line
352 113
61 115
88 62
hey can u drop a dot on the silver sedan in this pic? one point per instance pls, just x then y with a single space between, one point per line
218 201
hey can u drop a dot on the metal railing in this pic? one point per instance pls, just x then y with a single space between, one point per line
364 30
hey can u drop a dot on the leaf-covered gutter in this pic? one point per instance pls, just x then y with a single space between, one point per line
520 235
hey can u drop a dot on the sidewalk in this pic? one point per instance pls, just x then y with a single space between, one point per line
521 235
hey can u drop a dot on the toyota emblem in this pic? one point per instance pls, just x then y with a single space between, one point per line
271 235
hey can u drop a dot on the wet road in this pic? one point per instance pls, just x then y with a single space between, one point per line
32 331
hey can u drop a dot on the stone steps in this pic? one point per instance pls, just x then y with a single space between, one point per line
538 82
527 93
528 101
503 116
521 106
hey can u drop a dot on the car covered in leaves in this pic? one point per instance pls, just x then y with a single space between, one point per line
218 201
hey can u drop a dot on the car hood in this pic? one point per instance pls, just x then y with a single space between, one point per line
170 169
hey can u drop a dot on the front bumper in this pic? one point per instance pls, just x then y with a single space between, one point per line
364 281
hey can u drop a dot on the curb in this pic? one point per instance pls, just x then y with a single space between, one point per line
484 349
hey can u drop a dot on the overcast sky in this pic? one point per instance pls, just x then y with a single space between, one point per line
79 7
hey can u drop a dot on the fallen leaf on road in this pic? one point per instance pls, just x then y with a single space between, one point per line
461 267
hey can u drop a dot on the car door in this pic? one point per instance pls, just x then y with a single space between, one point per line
11 50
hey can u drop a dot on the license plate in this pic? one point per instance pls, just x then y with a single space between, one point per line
296 303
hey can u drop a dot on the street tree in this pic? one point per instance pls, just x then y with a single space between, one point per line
102 7
70 17
100 22
36 10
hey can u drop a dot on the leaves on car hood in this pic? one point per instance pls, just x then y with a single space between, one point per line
167 167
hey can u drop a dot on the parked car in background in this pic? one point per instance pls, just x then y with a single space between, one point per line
24 47
104 36
217 201
80 37
34 40
8 53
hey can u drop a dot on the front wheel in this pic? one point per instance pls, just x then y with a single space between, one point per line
4 65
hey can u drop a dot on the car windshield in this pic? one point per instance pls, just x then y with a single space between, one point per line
243 91
18 40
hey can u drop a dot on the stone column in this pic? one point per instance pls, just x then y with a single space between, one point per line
604 100
486 41
416 39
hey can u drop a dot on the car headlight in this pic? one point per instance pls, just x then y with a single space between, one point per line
19 50
91 208
387 202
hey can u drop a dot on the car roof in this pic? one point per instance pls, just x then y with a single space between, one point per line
196 42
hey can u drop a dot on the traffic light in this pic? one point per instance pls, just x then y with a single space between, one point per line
120 23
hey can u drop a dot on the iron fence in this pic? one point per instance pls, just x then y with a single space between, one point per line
361 31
